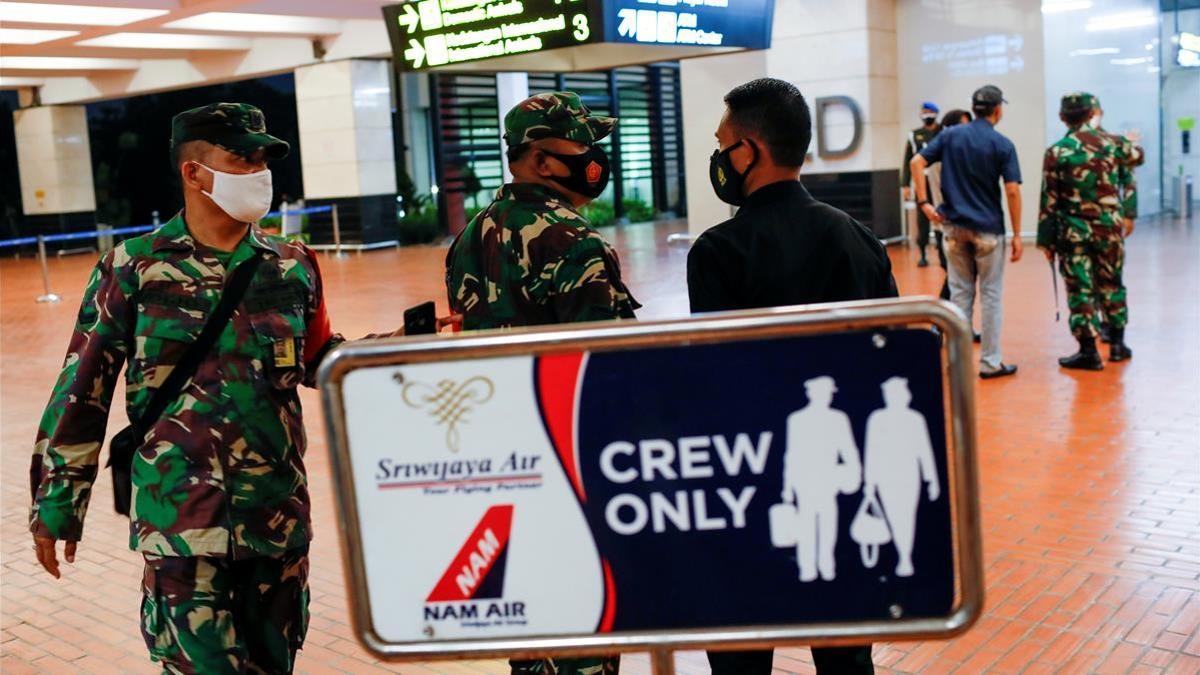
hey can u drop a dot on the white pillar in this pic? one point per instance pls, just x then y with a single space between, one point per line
54 160
826 49
703 84
345 116
511 89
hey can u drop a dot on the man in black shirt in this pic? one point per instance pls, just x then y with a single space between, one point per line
782 248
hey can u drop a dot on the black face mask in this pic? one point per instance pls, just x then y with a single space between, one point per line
729 185
929 119
589 171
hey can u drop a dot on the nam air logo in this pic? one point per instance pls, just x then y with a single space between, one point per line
471 590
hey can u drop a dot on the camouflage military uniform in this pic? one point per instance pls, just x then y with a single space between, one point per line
531 259
1087 192
917 140
220 495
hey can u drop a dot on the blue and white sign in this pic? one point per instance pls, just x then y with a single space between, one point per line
782 482
694 23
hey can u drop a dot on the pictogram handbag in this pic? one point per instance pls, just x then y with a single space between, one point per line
784 520
870 529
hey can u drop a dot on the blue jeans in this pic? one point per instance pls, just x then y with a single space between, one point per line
978 257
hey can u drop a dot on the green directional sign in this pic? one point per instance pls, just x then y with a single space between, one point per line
431 33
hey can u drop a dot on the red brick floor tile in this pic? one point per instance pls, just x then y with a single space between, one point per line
1090 489
1121 659
1184 664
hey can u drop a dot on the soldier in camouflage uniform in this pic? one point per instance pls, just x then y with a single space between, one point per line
1134 156
530 258
220 500
1087 198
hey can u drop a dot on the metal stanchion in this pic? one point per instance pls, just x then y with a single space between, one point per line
105 240
48 296
662 662
337 234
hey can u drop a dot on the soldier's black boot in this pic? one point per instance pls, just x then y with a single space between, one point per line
1118 350
1106 333
1087 358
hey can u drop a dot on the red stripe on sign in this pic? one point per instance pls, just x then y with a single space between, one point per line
610 600
558 382
476 557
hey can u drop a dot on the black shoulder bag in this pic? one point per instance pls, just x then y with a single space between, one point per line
123 446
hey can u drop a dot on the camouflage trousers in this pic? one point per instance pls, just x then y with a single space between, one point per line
1092 273
591 665
216 615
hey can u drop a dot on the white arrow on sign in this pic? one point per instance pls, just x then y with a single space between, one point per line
410 18
415 53
628 26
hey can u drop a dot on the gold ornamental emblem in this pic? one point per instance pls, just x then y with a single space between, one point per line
449 402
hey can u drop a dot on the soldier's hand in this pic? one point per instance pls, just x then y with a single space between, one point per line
1018 249
454 322
932 213
1128 226
1049 254
908 194
48 556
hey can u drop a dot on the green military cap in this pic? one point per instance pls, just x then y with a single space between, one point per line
558 114
1077 102
239 128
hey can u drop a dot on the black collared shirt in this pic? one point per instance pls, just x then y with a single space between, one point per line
786 248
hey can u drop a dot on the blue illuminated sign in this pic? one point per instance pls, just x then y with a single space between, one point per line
691 23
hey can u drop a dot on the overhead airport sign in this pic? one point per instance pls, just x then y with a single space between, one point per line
434 33
711 23
499 489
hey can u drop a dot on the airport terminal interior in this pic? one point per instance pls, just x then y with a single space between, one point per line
1088 490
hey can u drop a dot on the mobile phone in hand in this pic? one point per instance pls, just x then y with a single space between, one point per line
420 320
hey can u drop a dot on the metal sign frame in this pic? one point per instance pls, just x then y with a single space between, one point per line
958 376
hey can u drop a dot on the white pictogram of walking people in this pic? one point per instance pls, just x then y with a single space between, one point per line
822 461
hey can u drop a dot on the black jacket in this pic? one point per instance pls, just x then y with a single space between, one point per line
786 248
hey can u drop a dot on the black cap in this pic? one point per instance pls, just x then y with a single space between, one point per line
988 95
239 128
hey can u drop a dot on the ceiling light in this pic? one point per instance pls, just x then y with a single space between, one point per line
259 23
1122 21
74 15
1060 6
1135 61
1095 52
67 63
167 41
31 36
14 82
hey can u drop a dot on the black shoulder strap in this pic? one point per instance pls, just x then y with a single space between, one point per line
196 352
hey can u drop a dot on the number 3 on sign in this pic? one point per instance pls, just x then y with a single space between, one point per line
582 31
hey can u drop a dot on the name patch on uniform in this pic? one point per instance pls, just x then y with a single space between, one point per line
285 352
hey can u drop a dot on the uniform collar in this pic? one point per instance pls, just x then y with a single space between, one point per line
174 236
532 192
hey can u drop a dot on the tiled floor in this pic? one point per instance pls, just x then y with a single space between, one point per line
1091 481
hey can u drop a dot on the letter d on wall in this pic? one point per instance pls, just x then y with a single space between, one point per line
822 105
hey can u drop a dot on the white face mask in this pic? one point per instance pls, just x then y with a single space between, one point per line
246 197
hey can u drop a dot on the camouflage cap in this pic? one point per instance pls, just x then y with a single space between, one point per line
239 128
1077 102
559 114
